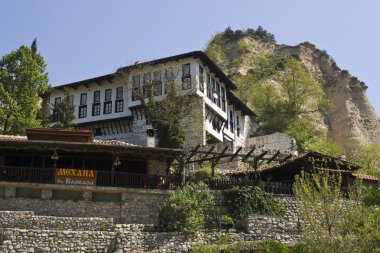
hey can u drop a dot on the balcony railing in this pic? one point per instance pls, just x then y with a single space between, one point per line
129 180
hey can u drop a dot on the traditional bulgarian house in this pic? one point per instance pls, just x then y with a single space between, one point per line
110 105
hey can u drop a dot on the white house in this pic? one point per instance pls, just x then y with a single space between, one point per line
109 106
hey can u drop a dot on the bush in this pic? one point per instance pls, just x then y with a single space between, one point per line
185 208
372 197
215 219
271 246
245 200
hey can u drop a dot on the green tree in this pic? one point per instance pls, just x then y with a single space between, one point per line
166 115
65 112
44 111
23 79
367 156
332 220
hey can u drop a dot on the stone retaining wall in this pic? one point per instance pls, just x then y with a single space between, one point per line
124 205
27 220
23 240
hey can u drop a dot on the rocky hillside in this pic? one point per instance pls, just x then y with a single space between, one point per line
352 119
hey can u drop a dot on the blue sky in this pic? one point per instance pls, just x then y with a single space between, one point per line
80 39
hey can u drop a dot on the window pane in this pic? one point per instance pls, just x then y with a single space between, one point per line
108 95
83 98
186 69
96 109
169 75
57 101
119 105
136 81
157 76
96 96
119 92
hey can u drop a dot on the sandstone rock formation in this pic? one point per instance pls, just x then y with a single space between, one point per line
353 117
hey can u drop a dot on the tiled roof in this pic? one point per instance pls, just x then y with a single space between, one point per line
13 138
366 177
196 54
100 142
113 142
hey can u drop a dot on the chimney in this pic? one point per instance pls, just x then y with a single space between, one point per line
150 138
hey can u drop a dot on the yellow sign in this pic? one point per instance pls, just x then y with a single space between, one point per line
75 176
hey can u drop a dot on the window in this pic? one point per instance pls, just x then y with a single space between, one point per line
217 92
119 105
201 81
169 74
186 77
96 109
136 88
82 111
57 101
231 122
147 84
108 95
107 109
119 93
157 83
97 96
216 125
223 96
208 83
237 126
213 84
83 99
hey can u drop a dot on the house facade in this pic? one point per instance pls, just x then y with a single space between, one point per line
110 105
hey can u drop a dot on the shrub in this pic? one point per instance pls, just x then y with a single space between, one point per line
372 197
271 246
245 200
184 210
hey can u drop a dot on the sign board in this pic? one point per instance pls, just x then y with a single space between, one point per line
75 176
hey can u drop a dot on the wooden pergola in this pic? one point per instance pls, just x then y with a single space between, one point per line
254 158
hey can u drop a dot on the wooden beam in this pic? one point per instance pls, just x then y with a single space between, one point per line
259 157
208 152
287 158
274 156
236 153
248 154
193 152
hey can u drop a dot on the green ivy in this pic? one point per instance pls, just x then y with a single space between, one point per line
245 200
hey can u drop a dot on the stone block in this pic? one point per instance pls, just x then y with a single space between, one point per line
87 195
46 193
10 192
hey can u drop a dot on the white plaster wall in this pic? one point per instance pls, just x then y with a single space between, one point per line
138 136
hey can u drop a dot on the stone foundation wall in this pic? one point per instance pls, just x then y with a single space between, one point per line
31 240
27 220
124 205
127 237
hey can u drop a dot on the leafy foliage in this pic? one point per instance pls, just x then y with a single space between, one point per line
166 115
23 78
334 222
372 197
65 112
185 209
259 33
266 246
367 156
245 200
